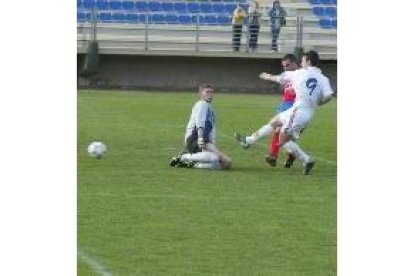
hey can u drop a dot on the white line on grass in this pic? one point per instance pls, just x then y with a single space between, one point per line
93 263
329 162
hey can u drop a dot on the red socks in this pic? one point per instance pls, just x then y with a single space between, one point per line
274 145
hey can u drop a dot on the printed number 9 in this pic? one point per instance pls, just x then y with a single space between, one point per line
311 85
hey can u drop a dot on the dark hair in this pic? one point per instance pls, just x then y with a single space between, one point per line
312 57
290 57
203 86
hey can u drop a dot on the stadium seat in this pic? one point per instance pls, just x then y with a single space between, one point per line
230 8
219 8
142 18
193 7
102 5
325 23
180 7
334 2
167 6
118 17
132 17
105 17
89 4
141 6
81 16
128 5
184 19
79 4
171 19
194 19
315 2
330 11
206 8
210 19
318 11
334 23
154 6
223 20
115 4
157 18
327 2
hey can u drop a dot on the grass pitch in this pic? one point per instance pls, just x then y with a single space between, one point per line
138 216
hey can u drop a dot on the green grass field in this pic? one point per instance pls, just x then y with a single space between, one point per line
139 216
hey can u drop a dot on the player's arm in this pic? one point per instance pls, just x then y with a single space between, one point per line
200 119
285 76
327 92
269 77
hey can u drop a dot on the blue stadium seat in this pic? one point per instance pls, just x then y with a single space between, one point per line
330 11
219 8
325 23
210 19
184 19
318 11
326 2
142 18
223 20
315 2
230 7
102 5
105 17
245 7
167 6
89 4
115 4
79 4
171 18
180 7
81 16
141 6
154 6
334 23
118 16
334 2
132 17
128 5
157 18
193 7
206 8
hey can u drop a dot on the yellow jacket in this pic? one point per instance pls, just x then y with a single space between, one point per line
238 16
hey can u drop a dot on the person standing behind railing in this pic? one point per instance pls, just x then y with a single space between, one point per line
277 20
237 22
254 25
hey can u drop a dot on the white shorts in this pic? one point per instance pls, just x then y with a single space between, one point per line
295 120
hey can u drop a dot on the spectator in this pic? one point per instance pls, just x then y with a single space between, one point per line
254 25
237 22
277 20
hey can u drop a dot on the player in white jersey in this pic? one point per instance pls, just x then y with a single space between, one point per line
200 150
312 89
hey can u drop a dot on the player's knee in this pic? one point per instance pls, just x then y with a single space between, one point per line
226 162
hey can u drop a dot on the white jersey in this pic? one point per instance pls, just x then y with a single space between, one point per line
310 86
202 115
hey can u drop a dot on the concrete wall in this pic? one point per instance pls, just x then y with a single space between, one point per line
185 73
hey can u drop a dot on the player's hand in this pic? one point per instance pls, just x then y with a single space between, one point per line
264 76
201 143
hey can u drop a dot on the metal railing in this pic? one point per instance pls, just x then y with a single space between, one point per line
146 34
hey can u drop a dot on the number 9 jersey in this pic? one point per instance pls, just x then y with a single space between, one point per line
310 85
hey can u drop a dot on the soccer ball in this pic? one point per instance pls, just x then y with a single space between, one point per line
97 149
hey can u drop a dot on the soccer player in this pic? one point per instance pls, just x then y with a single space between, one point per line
289 63
312 89
200 150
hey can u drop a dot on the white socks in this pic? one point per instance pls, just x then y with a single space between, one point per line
203 157
293 148
264 131
211 166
